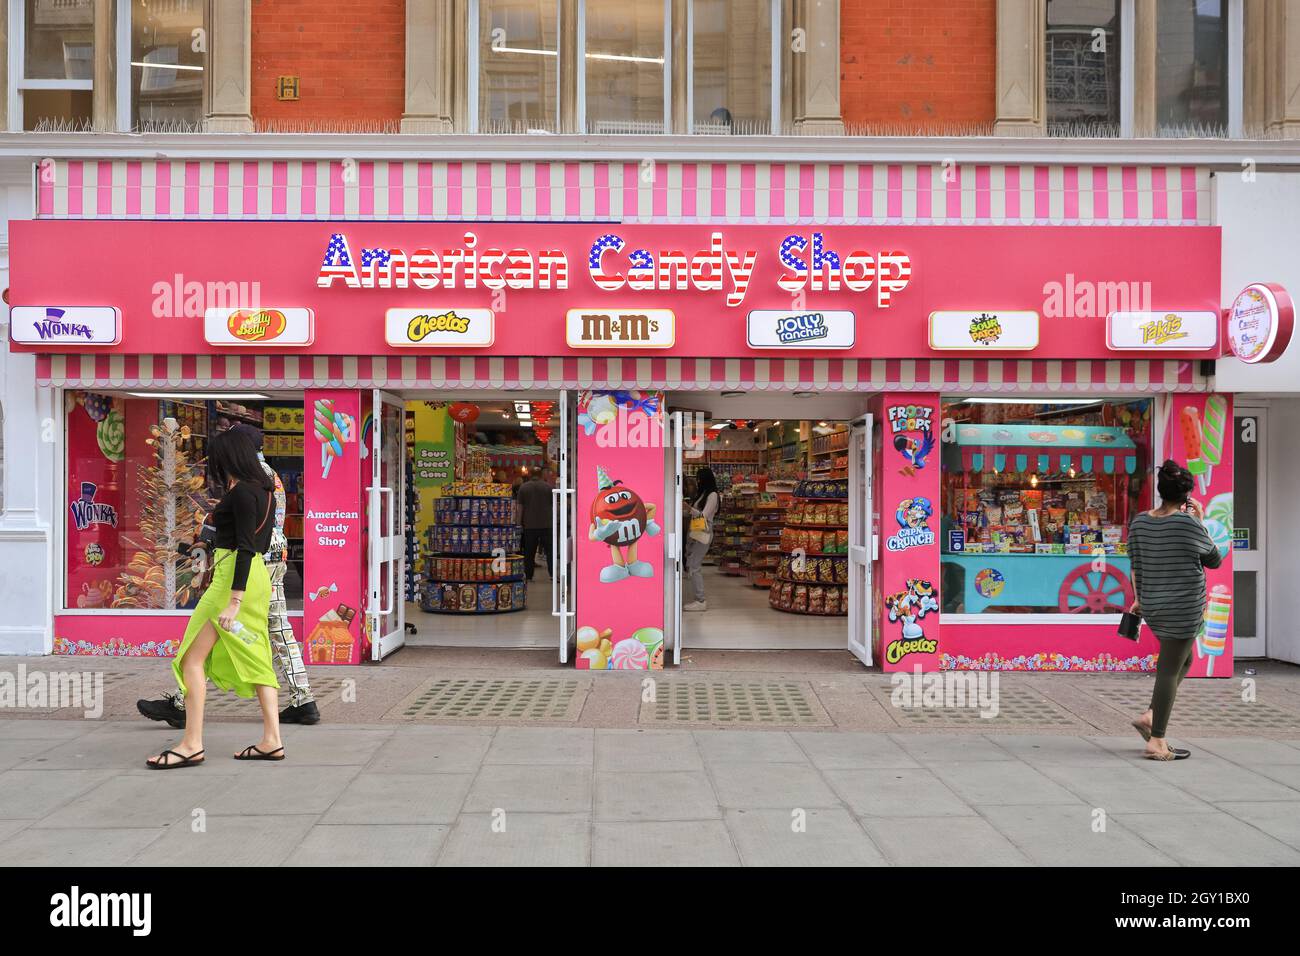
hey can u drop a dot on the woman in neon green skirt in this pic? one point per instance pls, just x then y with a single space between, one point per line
226 640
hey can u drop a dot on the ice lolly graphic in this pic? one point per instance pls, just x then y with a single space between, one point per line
1216 425
1193 440
1213 637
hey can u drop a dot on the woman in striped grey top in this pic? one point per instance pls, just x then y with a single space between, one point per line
1170 549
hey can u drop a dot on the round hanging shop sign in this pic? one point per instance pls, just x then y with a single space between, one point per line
1260 322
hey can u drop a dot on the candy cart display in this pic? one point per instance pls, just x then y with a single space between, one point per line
812 575
1036 519
474 566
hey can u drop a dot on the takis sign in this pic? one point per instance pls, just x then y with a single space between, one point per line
615 264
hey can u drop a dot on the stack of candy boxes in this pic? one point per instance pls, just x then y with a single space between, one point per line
474 567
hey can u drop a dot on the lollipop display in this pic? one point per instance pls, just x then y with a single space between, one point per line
333 428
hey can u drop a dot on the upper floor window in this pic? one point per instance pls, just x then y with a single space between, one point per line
1122 68
623 69
147 64
1083 66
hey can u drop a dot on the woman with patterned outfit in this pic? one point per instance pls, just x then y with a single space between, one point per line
226 640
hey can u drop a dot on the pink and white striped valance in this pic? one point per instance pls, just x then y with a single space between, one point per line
760 192
761 374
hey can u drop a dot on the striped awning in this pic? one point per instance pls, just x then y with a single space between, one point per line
660 192
758 374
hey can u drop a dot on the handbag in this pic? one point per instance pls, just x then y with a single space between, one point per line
202 568
1129 623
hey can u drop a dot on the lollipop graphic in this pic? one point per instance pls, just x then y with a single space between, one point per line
333 429
1212 639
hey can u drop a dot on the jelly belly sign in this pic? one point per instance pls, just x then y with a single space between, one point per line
619 536
1198 435
164 276
332 540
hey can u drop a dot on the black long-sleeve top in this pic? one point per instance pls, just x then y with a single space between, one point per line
236 519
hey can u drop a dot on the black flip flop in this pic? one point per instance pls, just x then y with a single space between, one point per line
167 764
252 753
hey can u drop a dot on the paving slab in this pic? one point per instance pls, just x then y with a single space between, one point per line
654 844
942 841
896 792
369 845
1056 750
1279 820
534 746
1064 835
985 782
935 748
1216 839
528 839
816 837
267 788
36 846
781 786
834 751
1217 780
39 728
227 841
660 795
517 788
432 750
400 798
152 798
647 750
749 746
1256 754
1125 789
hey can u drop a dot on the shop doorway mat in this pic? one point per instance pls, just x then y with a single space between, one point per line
734 703
496 699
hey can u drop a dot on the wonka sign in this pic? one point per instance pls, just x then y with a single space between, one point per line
530 275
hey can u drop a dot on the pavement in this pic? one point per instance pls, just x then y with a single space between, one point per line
733 759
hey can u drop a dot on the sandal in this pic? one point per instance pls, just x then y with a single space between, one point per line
1143 729
252 753
164 761
1174 753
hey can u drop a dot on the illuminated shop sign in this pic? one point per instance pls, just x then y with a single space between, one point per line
65 325
1162 330
644 329
613 264
983 329
275 328
1260 322
440 328
780 329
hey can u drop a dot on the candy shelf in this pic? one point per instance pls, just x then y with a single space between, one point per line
732 533
462 574
816 526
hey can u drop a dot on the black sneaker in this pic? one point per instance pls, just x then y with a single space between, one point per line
302 714
167 709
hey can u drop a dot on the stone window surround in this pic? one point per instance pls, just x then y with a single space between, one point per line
1268 78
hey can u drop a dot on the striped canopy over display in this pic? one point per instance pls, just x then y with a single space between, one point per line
1087 449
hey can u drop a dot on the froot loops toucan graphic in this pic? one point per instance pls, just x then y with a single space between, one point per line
620 518
915 450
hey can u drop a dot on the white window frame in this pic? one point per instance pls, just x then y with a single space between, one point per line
474 121
18 66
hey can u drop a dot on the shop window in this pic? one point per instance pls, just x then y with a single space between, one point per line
1036 501
136 493
167 61
156 67
1083 67
1192 68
